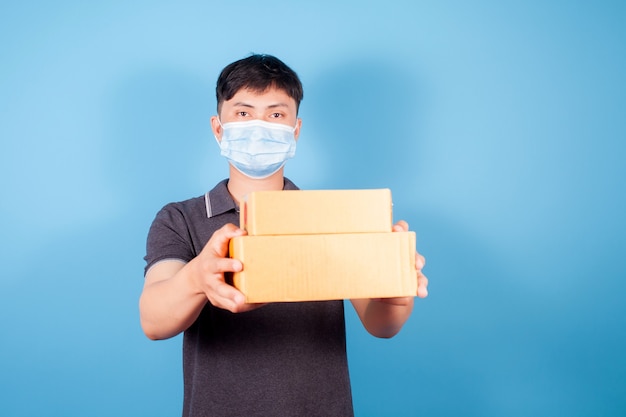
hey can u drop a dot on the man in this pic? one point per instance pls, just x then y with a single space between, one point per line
283 359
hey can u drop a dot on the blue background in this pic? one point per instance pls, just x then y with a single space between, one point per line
499 126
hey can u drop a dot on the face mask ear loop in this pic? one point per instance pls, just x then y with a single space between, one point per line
222 126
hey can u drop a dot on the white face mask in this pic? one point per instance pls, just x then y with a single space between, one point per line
257 148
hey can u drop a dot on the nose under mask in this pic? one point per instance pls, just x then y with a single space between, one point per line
257 148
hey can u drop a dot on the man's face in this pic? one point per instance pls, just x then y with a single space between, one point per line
272 105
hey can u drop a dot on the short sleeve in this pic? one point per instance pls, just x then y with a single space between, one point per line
169 237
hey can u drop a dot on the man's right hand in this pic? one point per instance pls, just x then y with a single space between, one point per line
211 265
175 292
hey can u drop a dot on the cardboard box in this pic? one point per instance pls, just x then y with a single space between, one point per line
300 212
325 266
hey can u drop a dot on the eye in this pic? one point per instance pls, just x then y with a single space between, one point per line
276 115
242 114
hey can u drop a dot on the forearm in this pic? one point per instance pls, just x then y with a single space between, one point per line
169 306
385 317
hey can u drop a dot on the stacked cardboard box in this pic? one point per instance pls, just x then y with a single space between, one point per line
322 245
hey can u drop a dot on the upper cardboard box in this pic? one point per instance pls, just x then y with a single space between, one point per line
301 212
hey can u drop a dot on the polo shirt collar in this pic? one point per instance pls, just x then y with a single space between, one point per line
219 200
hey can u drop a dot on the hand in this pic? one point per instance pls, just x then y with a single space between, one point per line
384 317
420 262
213 262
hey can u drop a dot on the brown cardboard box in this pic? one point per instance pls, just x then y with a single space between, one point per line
300 212
325 266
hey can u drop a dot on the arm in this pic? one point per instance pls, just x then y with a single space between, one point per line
174 292
384 317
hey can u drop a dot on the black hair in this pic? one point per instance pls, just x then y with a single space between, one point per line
258 72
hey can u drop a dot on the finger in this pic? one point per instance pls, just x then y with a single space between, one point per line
218 243
420 261
400 226
225 296
222 265
422 286
249 307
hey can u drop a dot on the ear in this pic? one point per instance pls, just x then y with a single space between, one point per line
216 127
296 132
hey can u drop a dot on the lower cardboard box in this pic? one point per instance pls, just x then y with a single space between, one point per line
319 267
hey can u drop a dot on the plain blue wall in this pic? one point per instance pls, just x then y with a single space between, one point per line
499 126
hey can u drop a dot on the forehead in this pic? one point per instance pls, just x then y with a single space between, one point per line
270 98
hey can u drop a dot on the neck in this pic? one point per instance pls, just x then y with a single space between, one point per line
239 185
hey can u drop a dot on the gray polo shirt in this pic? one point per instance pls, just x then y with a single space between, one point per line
284 359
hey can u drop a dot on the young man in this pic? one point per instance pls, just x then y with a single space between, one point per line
282 359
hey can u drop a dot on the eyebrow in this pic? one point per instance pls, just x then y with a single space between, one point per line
250 106
242 104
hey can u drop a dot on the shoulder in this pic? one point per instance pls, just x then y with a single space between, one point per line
171 233
175 212
191 217
185 206
197 206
